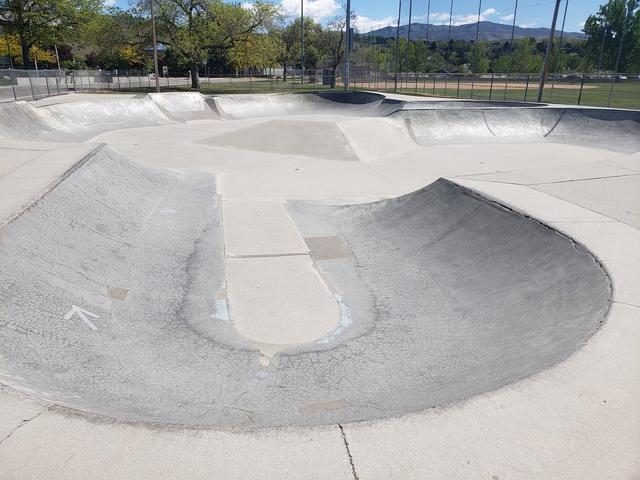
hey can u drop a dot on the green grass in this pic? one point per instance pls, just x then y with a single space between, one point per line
625 94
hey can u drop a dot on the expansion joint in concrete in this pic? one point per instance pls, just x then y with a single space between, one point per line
346 446
269 255
22 424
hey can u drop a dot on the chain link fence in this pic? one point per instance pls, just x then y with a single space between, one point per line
601 90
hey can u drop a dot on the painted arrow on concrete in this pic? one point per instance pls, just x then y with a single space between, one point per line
83 314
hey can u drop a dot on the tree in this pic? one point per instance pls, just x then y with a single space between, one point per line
196 28
258 51
479 58
524 58
10 45
615 28
332 44
44 22
289 54
117 39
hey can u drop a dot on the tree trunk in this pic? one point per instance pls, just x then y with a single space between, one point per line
195 77
284 73
25 52
333 76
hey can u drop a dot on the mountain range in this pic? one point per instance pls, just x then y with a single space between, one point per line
488 31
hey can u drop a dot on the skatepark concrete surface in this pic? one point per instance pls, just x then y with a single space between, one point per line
318 286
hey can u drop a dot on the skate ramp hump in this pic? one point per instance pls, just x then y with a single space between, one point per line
80 119
613 129
76 121
289 137
113 303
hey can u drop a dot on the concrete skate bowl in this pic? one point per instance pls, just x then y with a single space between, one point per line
57 119
612 129
111 282
318 103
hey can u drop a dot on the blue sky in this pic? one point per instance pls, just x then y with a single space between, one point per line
374 13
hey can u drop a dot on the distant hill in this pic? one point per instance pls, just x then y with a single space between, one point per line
488 31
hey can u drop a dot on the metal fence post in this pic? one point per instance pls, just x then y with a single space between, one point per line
13 88
435 75
491 87
46 82
458 90
506 83
33 95
613 82
58 82
526 89
581 87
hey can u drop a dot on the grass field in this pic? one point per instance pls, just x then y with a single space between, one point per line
625 94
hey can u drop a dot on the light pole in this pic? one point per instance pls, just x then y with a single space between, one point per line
407 57
547 55
347 48
477 52
302 40
155 47
426 39
395 86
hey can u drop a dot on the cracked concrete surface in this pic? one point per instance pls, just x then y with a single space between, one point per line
548 425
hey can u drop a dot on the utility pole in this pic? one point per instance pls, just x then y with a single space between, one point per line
426 39
395 86
477 52
57 56
155 47
407 58
302 40
547 55
347 64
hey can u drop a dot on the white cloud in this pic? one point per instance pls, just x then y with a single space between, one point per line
442 18
110 3
507 18
581 25
318 10
530 24
366 24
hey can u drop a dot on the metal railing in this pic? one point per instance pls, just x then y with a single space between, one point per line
602 90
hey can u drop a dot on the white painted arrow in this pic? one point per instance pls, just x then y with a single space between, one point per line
82 313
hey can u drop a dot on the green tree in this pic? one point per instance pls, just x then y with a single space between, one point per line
615 28
194 29
258 51
290 54
479 58
332 44
117 38
45 22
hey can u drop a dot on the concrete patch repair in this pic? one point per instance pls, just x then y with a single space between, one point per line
321 283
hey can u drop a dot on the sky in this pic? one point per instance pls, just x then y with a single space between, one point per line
373 14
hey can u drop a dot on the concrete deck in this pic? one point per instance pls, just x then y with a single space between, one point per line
275 288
